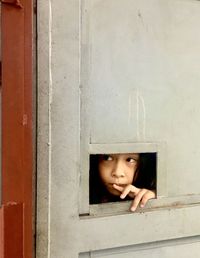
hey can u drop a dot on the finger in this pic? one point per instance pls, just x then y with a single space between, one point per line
148 195
137 199
119 188
126 191
130 190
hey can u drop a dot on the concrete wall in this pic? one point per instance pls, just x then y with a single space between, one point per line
117 57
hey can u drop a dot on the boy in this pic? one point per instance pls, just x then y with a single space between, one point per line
124 176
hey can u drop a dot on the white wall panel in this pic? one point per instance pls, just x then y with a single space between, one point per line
117 72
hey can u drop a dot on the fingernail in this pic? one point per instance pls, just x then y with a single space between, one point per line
133 209
121 196
142 205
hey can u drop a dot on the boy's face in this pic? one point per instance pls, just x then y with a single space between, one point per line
117 169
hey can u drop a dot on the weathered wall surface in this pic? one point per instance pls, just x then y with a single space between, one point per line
117 72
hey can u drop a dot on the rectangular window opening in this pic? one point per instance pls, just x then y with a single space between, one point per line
146 160
111 175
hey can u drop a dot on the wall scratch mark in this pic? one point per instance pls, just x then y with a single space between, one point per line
141 117
129 108
142 20
144 117
137 116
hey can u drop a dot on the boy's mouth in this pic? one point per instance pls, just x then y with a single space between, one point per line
122 185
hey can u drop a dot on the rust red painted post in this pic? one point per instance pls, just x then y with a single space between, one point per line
17 118
11 230
1 233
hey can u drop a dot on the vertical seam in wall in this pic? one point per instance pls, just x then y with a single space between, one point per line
80 96
50 102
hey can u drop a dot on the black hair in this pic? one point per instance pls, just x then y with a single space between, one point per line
145 177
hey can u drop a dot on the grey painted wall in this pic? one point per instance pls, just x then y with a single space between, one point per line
118 75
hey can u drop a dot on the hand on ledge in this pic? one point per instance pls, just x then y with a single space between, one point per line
140 195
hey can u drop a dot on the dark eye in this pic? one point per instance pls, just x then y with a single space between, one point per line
131 160
107 157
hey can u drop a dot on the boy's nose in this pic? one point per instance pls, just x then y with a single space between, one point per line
118 170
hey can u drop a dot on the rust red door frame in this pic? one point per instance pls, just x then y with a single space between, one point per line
17 125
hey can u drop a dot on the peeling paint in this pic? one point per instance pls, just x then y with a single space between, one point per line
15 3
25 120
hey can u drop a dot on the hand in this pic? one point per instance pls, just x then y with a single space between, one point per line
140 195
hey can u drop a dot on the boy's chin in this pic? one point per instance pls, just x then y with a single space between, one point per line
114 192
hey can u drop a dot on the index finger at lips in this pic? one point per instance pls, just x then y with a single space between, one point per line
119 188
126 191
